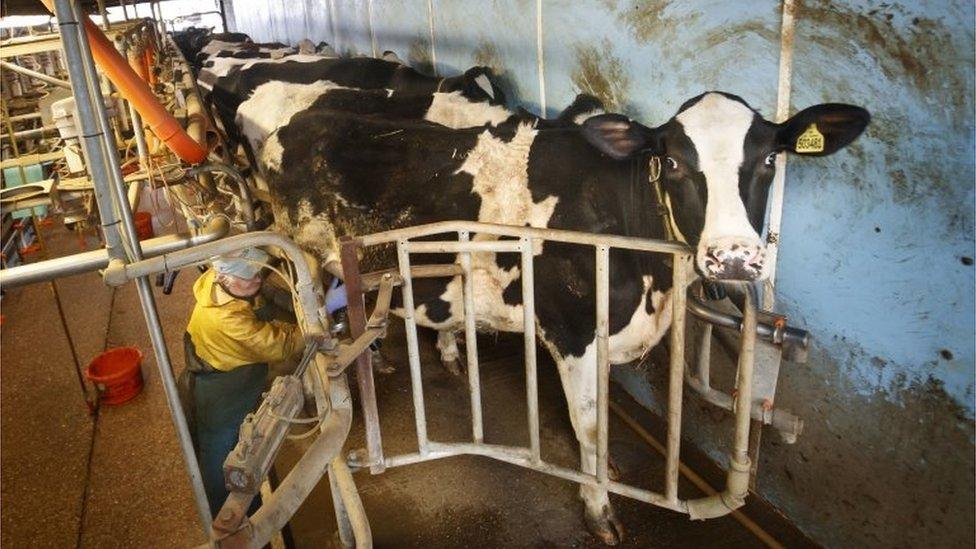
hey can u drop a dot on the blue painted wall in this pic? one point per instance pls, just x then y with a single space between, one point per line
877 240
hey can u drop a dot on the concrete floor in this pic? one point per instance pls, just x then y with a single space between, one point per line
67 479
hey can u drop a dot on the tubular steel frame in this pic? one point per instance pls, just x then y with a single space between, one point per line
529 456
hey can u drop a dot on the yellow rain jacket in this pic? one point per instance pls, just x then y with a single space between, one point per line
227 334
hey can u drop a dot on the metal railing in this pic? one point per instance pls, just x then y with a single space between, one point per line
523 240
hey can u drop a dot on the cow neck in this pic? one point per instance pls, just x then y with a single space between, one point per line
643 211
643 219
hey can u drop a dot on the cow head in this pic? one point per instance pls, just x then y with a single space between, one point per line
717 159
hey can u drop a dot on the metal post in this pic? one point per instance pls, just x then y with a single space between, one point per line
602 360
704 359
676 377
743 385
471 343
531 377
101 11
90 140
413 348
105 162
349 255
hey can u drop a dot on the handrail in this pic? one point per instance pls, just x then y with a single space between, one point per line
99 259
554 235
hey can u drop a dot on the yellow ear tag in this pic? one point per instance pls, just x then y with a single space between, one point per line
810 141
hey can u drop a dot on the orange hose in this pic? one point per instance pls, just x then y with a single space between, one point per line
149 58
135 90
137 61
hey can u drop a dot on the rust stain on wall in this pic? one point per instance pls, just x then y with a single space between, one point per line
645 20
486 54
923 54
600 73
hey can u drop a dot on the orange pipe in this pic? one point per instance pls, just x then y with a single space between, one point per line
137 61
149 58
135 90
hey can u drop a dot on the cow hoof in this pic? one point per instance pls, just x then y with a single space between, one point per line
380 364
605 526
453 366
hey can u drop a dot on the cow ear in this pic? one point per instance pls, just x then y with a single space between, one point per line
618 136
479 82
822 129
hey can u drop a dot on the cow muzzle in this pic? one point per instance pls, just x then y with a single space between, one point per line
732 259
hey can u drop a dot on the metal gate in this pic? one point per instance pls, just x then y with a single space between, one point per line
521 240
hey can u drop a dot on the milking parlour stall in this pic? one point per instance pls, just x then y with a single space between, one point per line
519 273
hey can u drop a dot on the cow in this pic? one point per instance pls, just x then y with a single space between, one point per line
261 114
334 172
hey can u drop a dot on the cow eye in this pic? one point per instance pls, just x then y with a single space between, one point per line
672 163
771 159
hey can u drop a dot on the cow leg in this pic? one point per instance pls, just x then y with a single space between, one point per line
578 375
450 355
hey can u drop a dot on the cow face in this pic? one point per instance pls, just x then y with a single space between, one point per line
717 163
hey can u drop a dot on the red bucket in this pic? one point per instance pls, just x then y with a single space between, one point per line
116 374
144 228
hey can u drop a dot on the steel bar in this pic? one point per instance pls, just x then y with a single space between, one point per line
45 131
104 163
319 381
356 308
94 260
789 335
522 458
308 289
26 116
743 399
787 34
371 281
531 371
355 511
471 342
413 349
781 420
346 536
496 246
676 374
602 360
35 75
375 329
553 235
704 358
130 237
69 28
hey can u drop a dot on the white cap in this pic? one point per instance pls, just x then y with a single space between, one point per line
244 264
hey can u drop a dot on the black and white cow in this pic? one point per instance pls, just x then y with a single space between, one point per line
334 172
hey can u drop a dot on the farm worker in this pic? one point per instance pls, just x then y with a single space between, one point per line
229 342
